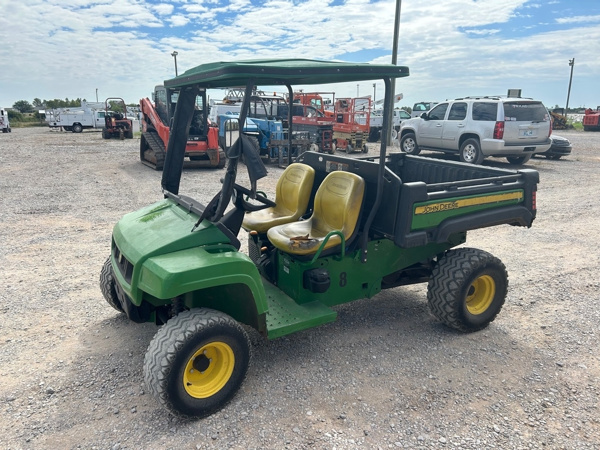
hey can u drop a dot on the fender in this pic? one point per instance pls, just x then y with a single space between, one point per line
187 272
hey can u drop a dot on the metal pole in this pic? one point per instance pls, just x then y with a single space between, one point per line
174 55
357 90
96 95
571 63
374 93
394 61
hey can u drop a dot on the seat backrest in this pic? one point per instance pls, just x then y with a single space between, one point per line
338 202
293 189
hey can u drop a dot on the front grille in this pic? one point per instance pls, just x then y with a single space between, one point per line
125 267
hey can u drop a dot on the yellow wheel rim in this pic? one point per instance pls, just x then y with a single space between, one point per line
208 370
481 294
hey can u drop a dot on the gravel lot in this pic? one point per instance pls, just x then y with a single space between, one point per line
385 375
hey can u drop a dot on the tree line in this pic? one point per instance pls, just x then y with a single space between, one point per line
23 106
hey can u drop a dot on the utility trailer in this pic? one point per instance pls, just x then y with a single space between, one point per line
339 229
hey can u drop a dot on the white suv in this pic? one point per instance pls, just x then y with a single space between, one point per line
477 127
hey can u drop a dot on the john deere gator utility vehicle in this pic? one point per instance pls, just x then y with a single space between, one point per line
339 229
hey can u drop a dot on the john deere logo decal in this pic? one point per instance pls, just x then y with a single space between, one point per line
463 203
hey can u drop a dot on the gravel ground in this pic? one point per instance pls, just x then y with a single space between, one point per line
385 375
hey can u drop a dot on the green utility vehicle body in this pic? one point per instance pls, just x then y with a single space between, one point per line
156 257
178 259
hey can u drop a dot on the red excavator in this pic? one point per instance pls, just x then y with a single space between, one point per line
202 149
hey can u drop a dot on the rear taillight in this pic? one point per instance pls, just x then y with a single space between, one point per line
499 130
550 132
534 200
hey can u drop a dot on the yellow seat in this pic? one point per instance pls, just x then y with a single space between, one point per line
291 198
337 208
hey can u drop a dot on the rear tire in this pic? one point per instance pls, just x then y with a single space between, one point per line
77 128
107 286
470 152
467 289
197 362
408 144
518 160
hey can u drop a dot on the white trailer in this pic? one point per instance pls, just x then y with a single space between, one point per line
75 119
4 125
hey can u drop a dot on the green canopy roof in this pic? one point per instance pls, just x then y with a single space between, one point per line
270 72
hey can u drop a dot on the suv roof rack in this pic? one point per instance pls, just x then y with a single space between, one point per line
489 97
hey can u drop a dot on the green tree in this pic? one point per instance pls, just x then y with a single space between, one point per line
23 106
15 116
408 109
37 103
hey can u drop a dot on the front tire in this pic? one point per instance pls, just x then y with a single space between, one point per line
470 152
197 362
107 286
467 289
408 144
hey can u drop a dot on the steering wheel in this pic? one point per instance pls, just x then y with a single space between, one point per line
261 198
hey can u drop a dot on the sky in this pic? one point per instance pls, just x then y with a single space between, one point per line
94 49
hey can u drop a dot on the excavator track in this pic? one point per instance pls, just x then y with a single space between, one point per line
152 150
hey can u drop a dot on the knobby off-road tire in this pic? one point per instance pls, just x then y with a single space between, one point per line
467 289
107 286
197 362
408 144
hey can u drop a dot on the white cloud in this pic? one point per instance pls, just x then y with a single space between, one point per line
163 9
178 20
579 19
54 49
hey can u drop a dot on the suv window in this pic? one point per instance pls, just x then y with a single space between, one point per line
438 112
458 111
421 107
525 111
486 111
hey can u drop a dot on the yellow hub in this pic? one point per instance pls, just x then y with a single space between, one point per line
208 370
481 294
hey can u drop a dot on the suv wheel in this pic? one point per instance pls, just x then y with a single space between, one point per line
470 152
518 160
408 144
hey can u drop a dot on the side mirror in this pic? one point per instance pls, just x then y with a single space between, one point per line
424 116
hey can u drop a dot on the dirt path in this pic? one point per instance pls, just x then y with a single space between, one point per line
386 374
